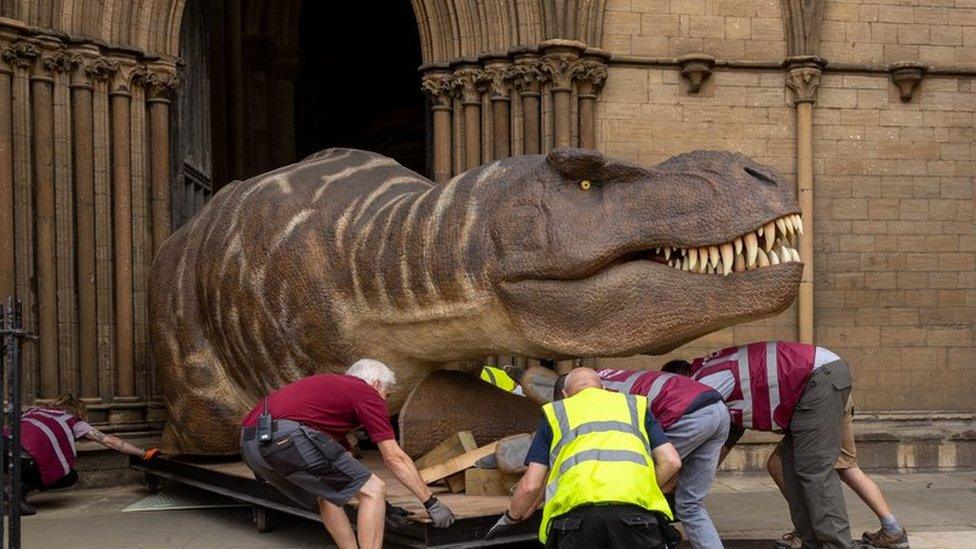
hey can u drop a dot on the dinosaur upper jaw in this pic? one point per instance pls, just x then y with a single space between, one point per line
653 299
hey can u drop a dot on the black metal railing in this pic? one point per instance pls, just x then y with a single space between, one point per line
13 335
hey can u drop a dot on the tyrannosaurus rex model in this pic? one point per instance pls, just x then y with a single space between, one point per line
347 255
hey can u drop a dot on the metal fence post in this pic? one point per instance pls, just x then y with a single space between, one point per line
13 334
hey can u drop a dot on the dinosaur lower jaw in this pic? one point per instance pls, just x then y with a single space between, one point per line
643 307
770 244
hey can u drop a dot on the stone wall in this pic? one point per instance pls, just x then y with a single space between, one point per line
895 229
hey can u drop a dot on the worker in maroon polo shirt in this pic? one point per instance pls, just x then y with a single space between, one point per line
296 440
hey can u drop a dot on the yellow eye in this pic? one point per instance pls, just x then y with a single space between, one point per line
585 184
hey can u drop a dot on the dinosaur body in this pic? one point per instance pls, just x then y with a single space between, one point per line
348 255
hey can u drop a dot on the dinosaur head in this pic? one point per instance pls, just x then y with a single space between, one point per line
599 257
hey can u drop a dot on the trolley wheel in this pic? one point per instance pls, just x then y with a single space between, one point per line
152 483
262 518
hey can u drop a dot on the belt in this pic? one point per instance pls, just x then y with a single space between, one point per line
284 425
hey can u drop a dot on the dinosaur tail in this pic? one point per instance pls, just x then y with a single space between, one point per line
205 406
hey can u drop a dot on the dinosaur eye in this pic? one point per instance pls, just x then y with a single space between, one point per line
585 184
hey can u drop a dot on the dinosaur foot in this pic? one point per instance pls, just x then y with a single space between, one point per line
447 402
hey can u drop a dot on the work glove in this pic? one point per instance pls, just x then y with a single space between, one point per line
149 454
504 523
439 513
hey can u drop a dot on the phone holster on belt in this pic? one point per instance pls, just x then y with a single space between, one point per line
264 433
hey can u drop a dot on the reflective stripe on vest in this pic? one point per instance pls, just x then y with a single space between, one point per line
600 453
624 386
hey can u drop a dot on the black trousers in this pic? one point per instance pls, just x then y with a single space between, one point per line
606 527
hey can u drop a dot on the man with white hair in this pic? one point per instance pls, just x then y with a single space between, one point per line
295 439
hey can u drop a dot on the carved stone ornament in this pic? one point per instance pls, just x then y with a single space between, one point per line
102 69
696 68
906 76
21 54
560 69
591 74
526 75
439 87
61 61
466 81
497 79
803 77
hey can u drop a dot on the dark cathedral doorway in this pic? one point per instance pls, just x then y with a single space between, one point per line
269 83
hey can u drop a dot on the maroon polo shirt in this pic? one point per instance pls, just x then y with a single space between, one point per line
332 404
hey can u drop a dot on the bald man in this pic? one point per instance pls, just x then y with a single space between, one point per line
601 457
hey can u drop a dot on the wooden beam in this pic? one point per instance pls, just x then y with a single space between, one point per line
453 446
456 464
489 482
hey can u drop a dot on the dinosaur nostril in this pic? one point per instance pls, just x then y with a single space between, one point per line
760 176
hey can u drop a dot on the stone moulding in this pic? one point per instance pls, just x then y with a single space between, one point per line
907 75
696 68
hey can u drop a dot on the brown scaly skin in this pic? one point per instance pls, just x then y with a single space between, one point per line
348 255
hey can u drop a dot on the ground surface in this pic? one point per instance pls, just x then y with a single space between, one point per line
938 509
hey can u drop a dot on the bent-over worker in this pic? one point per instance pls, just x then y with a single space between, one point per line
801 390
599 459
308 458
499 377
696 422
48 450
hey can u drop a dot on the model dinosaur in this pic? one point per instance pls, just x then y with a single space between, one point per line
348 254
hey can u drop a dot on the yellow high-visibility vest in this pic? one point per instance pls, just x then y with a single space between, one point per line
498 378
600 453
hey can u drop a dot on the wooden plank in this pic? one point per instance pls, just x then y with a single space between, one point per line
456 464
452 446
489 482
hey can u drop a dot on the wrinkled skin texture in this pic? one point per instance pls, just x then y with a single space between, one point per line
348 255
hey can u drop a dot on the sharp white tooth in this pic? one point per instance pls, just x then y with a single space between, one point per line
798 223
738 245
657 250
784 254
713 255
728 256
769 232
762 260
759 231
692 258
788 223
781 225
740 263
752 246
773 258
685 265
795 255
667 253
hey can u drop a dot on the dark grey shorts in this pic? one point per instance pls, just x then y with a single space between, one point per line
305 465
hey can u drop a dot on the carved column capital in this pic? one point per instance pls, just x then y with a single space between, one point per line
21 54
497 78
803 77
561 62
467 81
527 75
101 69
160 81
439 86
591 74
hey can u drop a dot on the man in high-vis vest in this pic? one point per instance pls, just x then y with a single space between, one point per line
696 422
801 390
500 378
599 459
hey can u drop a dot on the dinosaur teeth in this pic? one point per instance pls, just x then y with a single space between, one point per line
727 257
667 253
752 246
738 245
769 232
713 256
692 258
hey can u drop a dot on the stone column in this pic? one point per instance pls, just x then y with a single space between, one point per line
161 85
803 78
591 74
83 160
42 122
119 104
466 79
7 281
438 86
497 76
560 63
527 80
